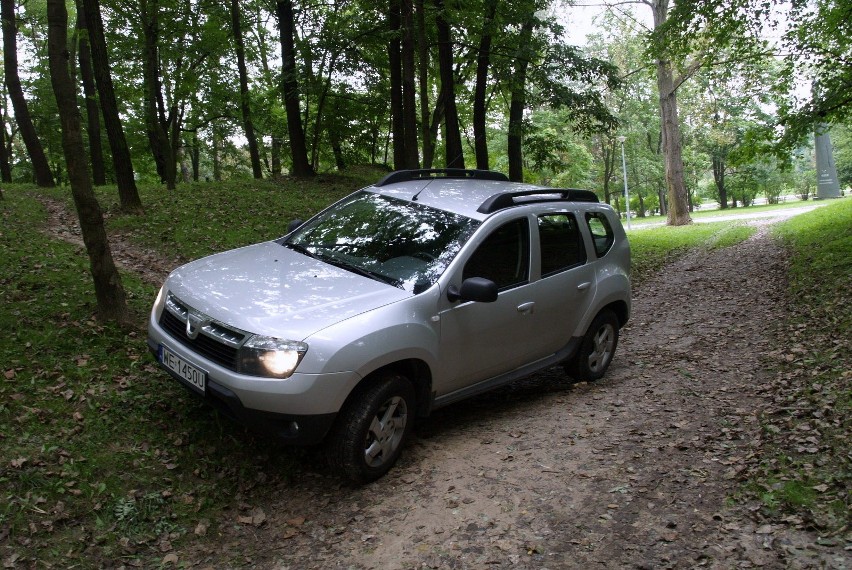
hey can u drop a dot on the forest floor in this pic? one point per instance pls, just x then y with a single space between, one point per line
637 470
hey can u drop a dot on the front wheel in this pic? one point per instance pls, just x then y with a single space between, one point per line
371 430
596 349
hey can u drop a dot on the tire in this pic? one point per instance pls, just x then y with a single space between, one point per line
596 349
371 430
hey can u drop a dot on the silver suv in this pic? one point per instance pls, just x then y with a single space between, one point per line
426 288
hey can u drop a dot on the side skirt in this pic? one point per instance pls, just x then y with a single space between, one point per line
491 383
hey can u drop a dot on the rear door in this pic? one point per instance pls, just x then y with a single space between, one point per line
566 284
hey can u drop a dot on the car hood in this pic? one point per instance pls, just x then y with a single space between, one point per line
272 290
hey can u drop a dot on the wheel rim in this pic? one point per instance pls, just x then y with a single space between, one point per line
386 431
602 347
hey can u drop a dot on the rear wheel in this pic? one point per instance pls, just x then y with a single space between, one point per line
596 349
372 428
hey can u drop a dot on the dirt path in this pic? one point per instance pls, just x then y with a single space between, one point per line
149 265
633 471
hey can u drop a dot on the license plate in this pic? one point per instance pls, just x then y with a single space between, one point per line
189 373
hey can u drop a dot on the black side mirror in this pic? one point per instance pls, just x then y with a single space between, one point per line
294 225
476 289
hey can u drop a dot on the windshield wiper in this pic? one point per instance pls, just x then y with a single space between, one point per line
359 270
301 249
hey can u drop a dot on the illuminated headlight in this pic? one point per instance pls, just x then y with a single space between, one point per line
271 357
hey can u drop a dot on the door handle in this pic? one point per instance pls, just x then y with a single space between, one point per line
526 308
584 286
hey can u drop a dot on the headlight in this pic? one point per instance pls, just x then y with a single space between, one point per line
271 357
157 308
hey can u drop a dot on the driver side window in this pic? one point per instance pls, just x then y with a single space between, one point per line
504 256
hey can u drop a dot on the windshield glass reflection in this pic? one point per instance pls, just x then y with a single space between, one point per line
404 244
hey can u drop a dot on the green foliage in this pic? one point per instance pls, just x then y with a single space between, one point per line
815 38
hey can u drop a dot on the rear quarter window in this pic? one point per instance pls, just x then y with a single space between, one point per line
601 230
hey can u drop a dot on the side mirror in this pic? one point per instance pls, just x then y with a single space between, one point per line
477 289
294 225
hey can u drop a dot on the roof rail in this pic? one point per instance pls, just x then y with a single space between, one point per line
504 200
421 174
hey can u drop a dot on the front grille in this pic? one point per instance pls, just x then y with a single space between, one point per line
215 341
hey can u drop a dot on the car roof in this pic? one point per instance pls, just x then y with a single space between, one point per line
472 193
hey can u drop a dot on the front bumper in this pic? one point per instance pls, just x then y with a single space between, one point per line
298 410
295 429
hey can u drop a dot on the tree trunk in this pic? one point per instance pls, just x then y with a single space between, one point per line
217 161
719 179
93 119
158 139
678 207
608 150
409 91
41 168
423 82
395 68
109 292
248 124
122 164
483 60
276 156
518 102
290 88
196 157
454 151
5 155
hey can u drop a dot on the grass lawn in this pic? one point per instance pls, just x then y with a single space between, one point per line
102 456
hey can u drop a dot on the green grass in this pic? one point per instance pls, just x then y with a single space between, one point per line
102 455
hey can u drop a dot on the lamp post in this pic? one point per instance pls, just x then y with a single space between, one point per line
621 139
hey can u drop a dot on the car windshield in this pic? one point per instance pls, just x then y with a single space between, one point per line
402 243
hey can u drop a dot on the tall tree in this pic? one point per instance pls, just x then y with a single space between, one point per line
395 72
5 155
453 149
483 60
245 103
122 162
423 84
518 101
667 85
155 123
41 168
93 118
409 91
109 291
290 87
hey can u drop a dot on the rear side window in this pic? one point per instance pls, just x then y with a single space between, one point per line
503 257
601 231
561 243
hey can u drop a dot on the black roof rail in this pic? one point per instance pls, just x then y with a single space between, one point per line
507 199
421 174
